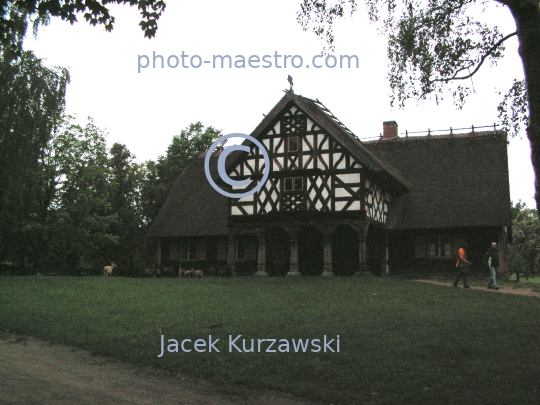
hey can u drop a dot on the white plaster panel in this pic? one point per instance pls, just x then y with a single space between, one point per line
339 205
349 178
341 192
355 206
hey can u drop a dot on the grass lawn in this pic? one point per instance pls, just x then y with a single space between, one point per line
481 280
533 283
401 342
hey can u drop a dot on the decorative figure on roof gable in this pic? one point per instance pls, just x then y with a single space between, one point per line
289 79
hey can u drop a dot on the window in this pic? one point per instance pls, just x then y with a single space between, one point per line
188 251
439 247
288 184
293 144
293 183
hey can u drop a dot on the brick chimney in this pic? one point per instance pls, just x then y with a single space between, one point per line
390 130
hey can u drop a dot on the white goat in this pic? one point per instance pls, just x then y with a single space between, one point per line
197 273
107 270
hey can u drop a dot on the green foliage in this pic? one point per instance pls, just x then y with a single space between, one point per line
513 109
31 106
516 209
524 252
80 206
126 180
74 225
16 14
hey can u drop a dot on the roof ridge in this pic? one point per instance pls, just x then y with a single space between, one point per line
428 138
327 111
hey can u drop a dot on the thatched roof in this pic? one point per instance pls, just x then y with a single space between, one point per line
455 180
193 207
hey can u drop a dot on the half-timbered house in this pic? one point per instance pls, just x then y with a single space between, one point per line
333 205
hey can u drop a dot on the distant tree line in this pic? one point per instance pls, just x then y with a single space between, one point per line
69 204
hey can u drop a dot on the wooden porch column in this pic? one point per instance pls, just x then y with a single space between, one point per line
293 269
385 259
362 251
231 255
362 263
327 266
261 258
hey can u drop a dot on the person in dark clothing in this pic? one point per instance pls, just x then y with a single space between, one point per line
492 259
462 266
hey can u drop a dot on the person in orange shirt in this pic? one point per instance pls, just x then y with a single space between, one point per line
462 266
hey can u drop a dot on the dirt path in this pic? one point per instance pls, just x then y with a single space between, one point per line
517 291
35 372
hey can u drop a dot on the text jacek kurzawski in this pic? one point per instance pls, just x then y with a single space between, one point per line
237 344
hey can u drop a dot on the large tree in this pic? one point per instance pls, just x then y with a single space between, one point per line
31 107
436 45
16 14
72 220
126 181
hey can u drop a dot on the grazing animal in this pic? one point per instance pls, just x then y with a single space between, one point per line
192 273
197 273
107 270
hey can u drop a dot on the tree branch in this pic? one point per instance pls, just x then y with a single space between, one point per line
489 52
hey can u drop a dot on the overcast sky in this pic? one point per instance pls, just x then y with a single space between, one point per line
144 110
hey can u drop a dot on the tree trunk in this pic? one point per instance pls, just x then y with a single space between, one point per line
526 13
